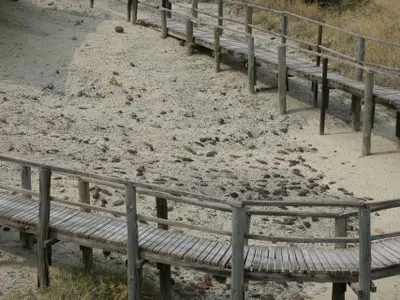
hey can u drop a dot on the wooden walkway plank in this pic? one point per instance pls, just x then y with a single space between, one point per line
314 260
208 259
160 246
181 251
271 259
193 253
210 249
250 257
257 259
264 259
220 254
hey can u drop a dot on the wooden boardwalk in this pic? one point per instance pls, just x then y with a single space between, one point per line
72 225
191 28
268 57
53 219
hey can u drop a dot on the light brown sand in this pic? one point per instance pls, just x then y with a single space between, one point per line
61 102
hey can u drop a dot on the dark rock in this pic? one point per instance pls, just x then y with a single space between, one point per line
119 29
211 153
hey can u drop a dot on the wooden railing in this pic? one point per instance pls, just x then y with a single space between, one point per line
364 71
241 212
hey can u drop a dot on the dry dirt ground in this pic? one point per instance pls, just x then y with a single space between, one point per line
74 92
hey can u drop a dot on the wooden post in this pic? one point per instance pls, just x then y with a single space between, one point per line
360 58
189 36
169 7
220 14
84 197
134 11
398 129
195 14
325 96
26 183
217 50
248 22
250 64
364 277
133 243
91 3
368 113
129 10
314 85
339 288
238 243
43 227
284 22
355 100
165 270
282 75
164 28
319 43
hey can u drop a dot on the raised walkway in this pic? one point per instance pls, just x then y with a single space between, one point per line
53 219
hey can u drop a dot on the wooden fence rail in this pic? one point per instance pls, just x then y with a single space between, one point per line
240 212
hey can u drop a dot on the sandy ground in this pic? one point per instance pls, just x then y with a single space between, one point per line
76 93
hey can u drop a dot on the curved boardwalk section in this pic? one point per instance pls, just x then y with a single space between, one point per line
53 219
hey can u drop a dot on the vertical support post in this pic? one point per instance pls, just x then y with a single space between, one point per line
26 183
220 14
165 270
169 7
238 243
284 22
164 28
360 58
282 75
84 197
189 36
319 43
251 64
91 3
134 11
355 100
195 14
248 22
129 10
217 49
398 129
368 113
314 85
43 227
364 277
133 242
339 288
325 96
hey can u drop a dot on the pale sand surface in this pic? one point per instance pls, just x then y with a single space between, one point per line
59 103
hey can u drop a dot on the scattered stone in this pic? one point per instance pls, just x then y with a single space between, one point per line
284 129
211 153
234 195
303 193
119 29
150 146
261 161
118 202
133 152
190 150
115 159
307 224
96 192
314 219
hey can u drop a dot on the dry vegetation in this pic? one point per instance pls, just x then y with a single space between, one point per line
375 18
71 284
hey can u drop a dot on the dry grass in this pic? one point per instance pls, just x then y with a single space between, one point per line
376 18
101 284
